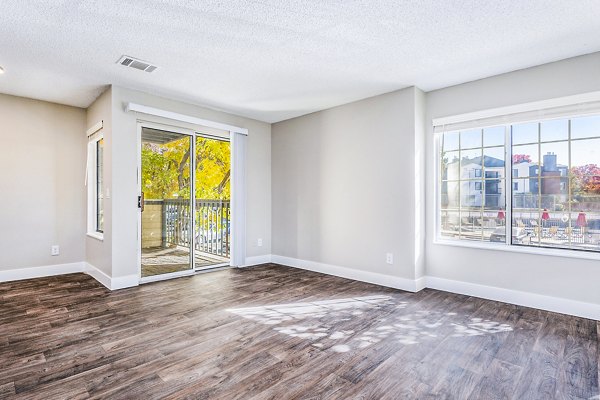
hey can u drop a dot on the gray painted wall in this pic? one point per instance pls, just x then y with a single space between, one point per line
99 253
344 185
42 183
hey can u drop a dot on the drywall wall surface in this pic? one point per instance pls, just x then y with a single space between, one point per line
42 197
419 182
99 252
343 185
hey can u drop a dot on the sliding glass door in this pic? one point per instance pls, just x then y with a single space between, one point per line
213 202
165 203
185 202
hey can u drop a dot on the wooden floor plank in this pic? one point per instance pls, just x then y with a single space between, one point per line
274 332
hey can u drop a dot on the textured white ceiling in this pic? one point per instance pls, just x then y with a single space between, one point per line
276 59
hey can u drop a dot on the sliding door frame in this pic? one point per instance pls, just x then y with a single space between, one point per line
198 134
192 135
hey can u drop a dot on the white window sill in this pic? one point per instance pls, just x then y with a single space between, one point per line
543 251
96 235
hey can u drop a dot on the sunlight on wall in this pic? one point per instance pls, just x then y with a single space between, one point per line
328 323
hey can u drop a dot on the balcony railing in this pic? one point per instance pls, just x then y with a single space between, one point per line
212 224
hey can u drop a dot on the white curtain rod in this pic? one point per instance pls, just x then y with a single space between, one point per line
184 118
97 126
570 105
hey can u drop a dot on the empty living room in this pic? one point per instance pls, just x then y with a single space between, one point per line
284 199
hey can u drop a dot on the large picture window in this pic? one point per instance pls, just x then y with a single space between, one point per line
543 177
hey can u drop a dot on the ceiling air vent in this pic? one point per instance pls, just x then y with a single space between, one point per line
137 64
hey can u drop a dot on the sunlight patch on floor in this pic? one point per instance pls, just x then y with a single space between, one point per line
318 322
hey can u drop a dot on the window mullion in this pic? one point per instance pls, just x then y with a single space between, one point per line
508 186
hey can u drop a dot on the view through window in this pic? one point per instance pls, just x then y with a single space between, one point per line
550 190
99 185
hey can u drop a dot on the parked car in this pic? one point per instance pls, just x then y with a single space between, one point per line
519 235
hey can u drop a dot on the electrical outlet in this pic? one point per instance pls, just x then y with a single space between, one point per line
259 242
55 250
389 258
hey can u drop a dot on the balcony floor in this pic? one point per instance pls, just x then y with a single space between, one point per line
160 260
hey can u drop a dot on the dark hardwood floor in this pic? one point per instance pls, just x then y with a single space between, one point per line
273 332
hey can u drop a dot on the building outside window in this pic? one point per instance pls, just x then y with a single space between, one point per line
554 198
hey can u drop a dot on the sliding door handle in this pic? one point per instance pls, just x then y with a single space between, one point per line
141 202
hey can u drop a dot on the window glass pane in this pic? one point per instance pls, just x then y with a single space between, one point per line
449 198
525 133
470 163
99 186
471 194
493 136
525 194
585 152
470 139
583 232
493 194
556 129
450 223
472 186
585 214
449 218
450 165
494 159
495 225
555 159
525 160
585 127
471 224
554 192
525 226
450 141
557 206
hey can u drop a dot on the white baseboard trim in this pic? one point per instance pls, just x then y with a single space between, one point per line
120 282
420 283
40 272
527 299
123 282
349 273
98 275
257 260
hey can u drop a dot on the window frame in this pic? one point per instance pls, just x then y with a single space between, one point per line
92 186
508 193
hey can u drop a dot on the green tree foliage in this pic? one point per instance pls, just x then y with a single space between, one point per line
166 169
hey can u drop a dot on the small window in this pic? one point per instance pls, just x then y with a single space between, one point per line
477 185
515 173
99 195
477 173
95 184
515 185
